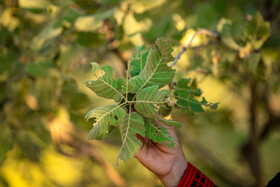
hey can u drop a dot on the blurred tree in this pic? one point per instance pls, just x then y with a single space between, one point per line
45 50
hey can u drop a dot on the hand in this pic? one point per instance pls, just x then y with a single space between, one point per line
168 163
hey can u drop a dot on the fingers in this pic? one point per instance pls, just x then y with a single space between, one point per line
172 132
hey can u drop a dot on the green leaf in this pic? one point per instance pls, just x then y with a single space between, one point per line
144 5
168 122
90 39
44 39
92 22
132 124
138 61
156 71
185 98
39 69
258 31
225 29
105 85
40 4
159 134
106 117
165 49
252 62
143 96
147 98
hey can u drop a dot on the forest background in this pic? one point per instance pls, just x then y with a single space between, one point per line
45 52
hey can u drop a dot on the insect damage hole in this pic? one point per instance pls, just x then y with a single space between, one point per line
116 117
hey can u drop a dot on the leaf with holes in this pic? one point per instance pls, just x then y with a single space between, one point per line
140 99
105 85
185 96
148 98
106 118
168 122
159 134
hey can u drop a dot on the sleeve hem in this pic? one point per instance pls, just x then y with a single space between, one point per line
193 177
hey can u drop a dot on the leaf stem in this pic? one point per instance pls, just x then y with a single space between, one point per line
152 102
127 74
155 69
191 101
126 134
118 106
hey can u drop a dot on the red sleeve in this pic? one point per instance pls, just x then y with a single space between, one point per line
194 178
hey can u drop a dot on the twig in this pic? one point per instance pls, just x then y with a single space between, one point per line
110 34
201 31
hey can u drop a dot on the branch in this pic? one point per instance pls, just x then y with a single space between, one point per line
65 133
112 42
273 122
273 119
250 150
201 31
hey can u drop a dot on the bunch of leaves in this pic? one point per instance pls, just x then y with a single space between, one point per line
140 100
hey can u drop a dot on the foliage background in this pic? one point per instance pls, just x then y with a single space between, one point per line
45 52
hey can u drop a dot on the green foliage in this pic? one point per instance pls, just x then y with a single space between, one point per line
138 61
45 48
106 118
39 69
141 93
146 99
132 124
105 85
159 134
156 71
185 97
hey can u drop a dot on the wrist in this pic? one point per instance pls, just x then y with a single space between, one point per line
172 178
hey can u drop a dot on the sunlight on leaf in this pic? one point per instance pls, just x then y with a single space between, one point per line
92 22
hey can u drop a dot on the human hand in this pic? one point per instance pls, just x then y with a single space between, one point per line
168 163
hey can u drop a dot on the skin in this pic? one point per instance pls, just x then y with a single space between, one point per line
168 163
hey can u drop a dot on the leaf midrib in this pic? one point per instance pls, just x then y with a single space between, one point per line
151 102
148 78
108 113
110 86
126 133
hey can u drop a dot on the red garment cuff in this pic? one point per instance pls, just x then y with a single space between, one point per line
194 178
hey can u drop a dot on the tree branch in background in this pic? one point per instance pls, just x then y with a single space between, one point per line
199 32
273 119
113 43
65 133
250 150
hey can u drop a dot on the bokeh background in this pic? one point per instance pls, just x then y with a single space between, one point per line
46 47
